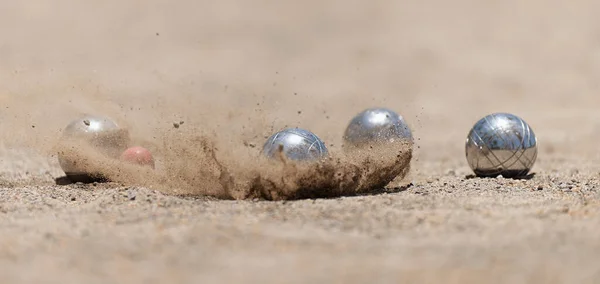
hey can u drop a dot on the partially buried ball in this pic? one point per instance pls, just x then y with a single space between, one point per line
139 156
85 138
376 125
295 144
501 144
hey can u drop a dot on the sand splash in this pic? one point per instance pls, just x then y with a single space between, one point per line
193 165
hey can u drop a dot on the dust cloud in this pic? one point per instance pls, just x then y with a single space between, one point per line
233 78
193 164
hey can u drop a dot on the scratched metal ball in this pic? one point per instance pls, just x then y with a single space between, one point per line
377 125
90 133
296 144
501 144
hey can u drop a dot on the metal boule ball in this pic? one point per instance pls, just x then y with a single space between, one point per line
501 144
86 134
377 125
296 144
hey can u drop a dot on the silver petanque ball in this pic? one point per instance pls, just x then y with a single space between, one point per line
501 144
90 133
296 144
377 125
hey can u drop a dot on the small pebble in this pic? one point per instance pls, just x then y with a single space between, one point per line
131 194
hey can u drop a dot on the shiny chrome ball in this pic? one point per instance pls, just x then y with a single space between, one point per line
501 144
98 133
377 125
296 144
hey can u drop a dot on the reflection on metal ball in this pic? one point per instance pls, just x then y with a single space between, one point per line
376 125
501 144
296 144
95 133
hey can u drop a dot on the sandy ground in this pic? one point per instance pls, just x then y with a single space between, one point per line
241 69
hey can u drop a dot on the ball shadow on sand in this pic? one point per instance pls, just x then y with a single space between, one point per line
516 177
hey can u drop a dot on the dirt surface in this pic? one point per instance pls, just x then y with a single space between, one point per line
236 71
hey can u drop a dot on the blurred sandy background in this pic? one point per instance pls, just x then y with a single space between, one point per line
246 68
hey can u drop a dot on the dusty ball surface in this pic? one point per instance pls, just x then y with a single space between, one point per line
296 144
501 144
376 125
90 133
138 155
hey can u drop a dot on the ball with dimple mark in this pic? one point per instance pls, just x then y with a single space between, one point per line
501 144
90 133
138 155
376 125
296 144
